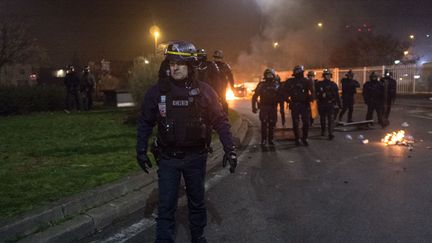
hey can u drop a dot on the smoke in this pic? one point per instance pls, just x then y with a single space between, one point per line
293 25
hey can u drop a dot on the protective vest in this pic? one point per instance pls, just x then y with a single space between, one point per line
326 92
349 87
180 120
299 90
269 93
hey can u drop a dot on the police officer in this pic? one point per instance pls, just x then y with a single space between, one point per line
281 100
313 105
389 94
373 95
268 93
298 92
87 88
349 89
328 97
224 77
207 71
72 83
182 108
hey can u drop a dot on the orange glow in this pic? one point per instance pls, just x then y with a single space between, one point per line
397 138
229 95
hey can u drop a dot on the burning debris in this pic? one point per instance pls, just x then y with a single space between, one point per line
398 138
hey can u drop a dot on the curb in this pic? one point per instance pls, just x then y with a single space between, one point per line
94 210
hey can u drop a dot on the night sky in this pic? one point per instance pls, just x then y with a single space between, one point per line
118 30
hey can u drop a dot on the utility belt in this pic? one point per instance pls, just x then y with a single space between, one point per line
166 152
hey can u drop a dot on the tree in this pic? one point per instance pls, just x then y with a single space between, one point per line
368 50
17 46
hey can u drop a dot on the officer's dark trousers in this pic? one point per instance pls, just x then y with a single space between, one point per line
72 96
379 110
300 110
268 117
347 104
282 111
193 169
387 109
326 113
225 106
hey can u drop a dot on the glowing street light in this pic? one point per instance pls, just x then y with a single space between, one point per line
412 37
406 53
320 24
146 61
155 31
396 62
275 45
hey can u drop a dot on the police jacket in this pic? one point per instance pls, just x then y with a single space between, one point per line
208 72
298 90
184 114
224 77
373 92
72 81
389 89
87 82
349 87
268 92
327 93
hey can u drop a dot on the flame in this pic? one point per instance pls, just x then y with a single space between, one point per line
229 95
397 138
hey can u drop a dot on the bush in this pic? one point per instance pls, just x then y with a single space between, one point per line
143 76
26 99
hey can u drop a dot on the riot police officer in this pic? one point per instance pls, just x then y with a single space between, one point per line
298 92
224 77
183 109
389 94
207 71
72 83
349 89
268 93
313 104
373 95
328 97
87 88
281 100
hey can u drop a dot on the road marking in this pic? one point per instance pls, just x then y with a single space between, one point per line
129 232
424 117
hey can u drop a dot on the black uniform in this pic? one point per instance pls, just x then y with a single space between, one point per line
373 95
298 92
281 103
327 98
87 89
219 84
268 93
183 112
389 96
349 89
72 83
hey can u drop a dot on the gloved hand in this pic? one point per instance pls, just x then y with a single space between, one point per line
254 110
144 162
231 158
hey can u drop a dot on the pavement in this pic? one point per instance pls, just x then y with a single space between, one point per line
331 191
76 217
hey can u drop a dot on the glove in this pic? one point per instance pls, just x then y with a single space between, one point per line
254 110
231 158
144 162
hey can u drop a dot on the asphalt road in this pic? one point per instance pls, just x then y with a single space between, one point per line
331 191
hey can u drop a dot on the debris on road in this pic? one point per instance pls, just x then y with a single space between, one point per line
398 138
405 124
360 137
365 141
318 161
348 136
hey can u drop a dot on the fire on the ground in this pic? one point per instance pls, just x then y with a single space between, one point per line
398 138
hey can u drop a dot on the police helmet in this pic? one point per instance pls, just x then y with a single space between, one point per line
71 68
299 69
86 69
350 74
181 51
202 55
269 71
311 74
327 71
373 76
218 54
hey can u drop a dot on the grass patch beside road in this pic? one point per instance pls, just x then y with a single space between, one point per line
48 156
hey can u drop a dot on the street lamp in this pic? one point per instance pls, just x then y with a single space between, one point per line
406 53
412 37
155 31
275 45
320 24
320 27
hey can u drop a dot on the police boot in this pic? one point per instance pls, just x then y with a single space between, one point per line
263 133
323 132
331 136
305 142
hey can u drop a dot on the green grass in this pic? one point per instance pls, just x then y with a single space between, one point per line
48 156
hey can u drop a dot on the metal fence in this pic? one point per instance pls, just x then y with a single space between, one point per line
411 79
